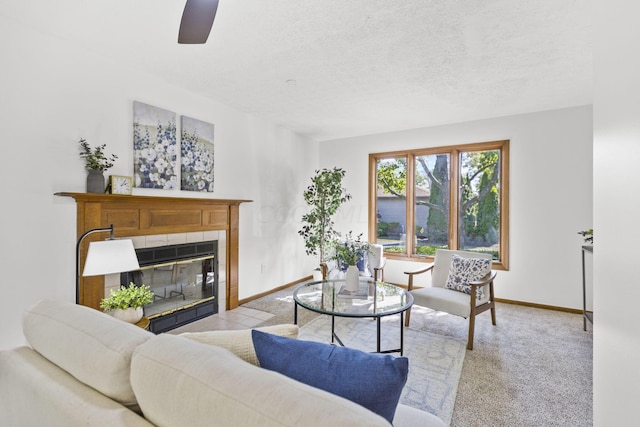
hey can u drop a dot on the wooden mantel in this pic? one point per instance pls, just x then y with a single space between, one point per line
148 215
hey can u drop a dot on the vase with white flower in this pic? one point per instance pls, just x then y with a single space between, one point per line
349 252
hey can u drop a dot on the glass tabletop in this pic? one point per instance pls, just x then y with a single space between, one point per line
373 299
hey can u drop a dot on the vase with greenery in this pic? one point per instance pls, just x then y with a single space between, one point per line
96 162
350 250
324 196
126 303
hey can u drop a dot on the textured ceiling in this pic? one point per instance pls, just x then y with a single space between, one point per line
337 68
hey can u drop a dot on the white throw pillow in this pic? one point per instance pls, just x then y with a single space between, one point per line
239 342
465 270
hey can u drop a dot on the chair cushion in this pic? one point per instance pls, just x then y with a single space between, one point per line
374 381
442 299
465 270
239 342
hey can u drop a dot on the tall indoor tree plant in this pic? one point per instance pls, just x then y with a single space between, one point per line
324 196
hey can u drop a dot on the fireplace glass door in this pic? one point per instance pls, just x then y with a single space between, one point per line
178 284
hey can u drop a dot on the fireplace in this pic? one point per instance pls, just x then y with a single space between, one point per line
184 279
135 216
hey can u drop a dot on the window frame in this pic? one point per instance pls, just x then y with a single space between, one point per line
454 153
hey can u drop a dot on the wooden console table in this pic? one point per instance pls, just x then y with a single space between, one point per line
148 215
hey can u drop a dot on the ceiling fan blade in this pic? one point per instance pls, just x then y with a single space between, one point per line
197 20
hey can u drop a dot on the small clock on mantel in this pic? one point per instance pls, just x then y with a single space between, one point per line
119 184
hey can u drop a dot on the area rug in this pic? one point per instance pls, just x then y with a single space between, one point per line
435 361
280 304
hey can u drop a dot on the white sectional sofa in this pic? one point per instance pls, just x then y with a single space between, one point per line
85 368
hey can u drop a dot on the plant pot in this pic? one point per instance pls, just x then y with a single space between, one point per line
352 278
130 315
95 181
317 275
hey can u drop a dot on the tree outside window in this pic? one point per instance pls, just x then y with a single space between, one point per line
447 197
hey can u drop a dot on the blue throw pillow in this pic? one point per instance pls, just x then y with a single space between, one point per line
372 380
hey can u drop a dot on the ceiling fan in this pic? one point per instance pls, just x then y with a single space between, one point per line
197 20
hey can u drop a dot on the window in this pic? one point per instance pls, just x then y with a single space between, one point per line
452 197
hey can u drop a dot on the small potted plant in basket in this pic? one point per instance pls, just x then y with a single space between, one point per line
96 162
126 303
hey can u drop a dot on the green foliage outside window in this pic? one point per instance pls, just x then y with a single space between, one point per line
438 221
477 171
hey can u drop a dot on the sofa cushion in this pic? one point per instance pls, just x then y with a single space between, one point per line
239 342
372 380
92 346
465 270
181 382
408 416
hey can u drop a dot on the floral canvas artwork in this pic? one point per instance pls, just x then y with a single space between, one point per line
155 149
197 155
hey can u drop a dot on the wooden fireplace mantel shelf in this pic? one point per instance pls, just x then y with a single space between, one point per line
147 215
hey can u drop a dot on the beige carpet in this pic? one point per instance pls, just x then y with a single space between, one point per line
533 369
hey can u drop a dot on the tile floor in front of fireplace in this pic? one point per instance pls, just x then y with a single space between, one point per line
238 318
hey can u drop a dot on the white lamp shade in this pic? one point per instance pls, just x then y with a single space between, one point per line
110 256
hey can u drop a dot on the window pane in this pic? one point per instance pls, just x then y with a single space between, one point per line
391 176
479 215
431 203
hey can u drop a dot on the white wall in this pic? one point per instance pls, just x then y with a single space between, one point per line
616 207
550 195
52 94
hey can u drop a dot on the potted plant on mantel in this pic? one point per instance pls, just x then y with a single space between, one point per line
325 195
126 303
96 162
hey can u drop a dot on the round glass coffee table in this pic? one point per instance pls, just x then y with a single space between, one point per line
373 300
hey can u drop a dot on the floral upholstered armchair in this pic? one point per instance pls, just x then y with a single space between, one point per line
461 284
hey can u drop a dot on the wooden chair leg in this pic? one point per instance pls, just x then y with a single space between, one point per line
407 316
472 321
493 315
